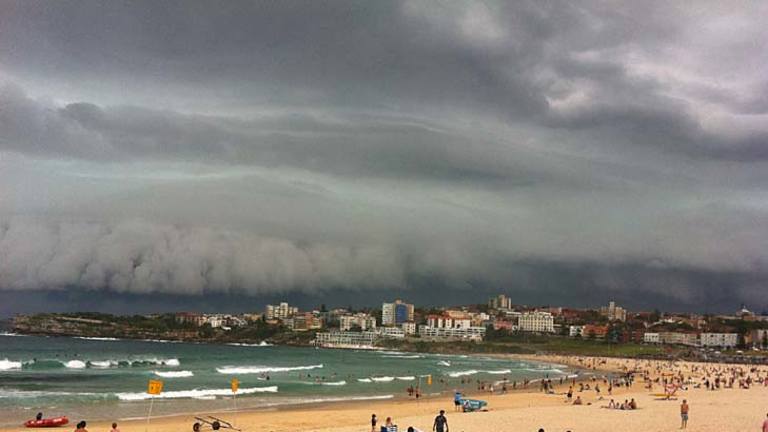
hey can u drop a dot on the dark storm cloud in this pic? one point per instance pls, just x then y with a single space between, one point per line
253 148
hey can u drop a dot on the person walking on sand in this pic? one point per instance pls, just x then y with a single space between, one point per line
684 408
114 428
441 423
373 422
765 424
81 427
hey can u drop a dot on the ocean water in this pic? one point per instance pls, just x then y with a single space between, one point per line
105 379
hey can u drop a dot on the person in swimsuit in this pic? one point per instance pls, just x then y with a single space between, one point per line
684 408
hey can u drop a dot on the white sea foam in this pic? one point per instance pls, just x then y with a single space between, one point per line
406 378
260 344
97 338
172 362
6 364
6 393
194 394
463 373
174 374
335 383
403 356
9 334
240 370
364 380
102 364
499 372
75 364
443 363
383 379
161 341
554 371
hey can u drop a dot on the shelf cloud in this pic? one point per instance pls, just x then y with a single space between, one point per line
250 148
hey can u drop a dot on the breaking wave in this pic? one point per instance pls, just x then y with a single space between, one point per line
463 373
6 364
260 344
174 374
75 364
194 394
383 379
402 356
233 370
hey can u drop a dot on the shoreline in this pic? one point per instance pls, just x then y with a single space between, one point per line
525 409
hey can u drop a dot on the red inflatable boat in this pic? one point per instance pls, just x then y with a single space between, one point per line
45 423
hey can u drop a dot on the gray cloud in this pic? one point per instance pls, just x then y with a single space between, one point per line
140 257
376 145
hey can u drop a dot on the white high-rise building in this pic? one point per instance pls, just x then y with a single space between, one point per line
281 311
500 302
396 313
540 322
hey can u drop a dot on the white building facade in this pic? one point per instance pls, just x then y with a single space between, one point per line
396 313
361 320
653 338
281 311
575 330
473 333
721 340
409 328
346 339
444 321
539 322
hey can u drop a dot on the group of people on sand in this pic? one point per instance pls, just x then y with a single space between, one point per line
440 424
626 405
81 427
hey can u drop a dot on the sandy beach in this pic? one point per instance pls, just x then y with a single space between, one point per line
724 409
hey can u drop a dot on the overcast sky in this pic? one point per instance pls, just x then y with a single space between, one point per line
564 153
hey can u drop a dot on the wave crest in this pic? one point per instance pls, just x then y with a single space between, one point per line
240 370
194 394
174 374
